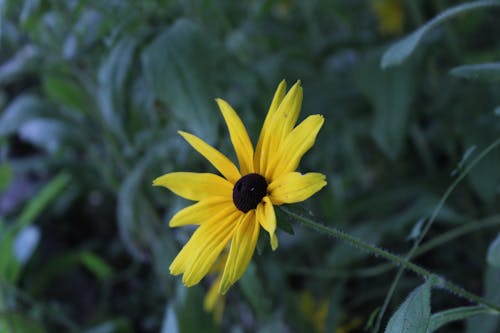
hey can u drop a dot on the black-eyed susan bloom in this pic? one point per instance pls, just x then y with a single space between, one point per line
231 209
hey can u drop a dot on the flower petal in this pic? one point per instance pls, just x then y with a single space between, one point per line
202 211
204 246
239 137
218 160
261 155
195 186
214 302
280 126
295 187
212 296
296 144
242 249
267 219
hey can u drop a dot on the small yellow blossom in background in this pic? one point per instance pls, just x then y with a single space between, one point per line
314 312
390 15
214 302
317 311
231 209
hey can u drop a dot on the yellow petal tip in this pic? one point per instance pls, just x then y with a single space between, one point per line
274 242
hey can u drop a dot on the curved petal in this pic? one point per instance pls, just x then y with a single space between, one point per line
261 154
218 160
203 211
242 249
295 187
296 144
239 137
204 246
267 219
281 124
195 186
212 296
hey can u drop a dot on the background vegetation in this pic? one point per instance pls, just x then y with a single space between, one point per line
93 93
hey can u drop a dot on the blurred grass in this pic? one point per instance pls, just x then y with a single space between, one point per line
97 91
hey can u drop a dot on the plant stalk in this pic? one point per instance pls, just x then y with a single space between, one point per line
360 244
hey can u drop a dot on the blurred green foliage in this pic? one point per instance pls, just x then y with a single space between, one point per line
93 93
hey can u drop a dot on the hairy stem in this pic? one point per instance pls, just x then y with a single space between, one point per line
428 225
360 244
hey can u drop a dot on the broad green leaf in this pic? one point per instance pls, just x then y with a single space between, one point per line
444 317
483 72
177 66
20 110
493 256
67 92
136 222
112 78
129 195
414 314
46 133
487 323
23 61
400 51
390 93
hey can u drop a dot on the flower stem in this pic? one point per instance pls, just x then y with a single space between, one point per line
356 242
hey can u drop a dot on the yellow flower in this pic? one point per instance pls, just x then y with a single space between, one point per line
316 313
214 302
231 209
390 14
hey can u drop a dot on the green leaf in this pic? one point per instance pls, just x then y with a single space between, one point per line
67 92
493 257
42 199
400 51
177 66
20 110
96 265
414 314
16 322
112 79
390 93
68 261
484 177
483 72
5 176
9 265
23 61
487 323
444 317
45 133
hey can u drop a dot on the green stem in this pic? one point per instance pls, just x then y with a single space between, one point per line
356 242
428 225
365 272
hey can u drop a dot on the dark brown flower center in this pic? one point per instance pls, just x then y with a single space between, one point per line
249 191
